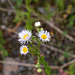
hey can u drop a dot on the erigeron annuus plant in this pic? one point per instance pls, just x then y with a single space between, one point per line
25 36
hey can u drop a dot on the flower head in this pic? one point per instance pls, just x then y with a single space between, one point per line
23 49
24 36
37 24
44 36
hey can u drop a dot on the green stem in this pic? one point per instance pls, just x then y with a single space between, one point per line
28 21
41 60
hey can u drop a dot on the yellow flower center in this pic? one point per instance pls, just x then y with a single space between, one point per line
25 50
43 36
25 36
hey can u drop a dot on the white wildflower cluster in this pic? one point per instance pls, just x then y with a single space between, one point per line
25 35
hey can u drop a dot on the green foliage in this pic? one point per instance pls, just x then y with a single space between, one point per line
71 21
71 70
18 2
47 67
19 16
2 42
73 2
28 2
47 9
35 0
66 54
34 38
28 20
35 51
65 31
32 49
60 4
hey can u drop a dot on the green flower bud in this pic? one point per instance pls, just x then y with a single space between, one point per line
41 29
39 70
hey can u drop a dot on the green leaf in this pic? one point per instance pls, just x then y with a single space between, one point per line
66 54
60 4
47 67
65 31
71 70
2 42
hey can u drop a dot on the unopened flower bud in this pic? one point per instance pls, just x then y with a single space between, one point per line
39 70
37 24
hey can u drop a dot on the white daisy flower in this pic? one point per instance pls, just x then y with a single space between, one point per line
37 24
23 49
44 36
24 36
